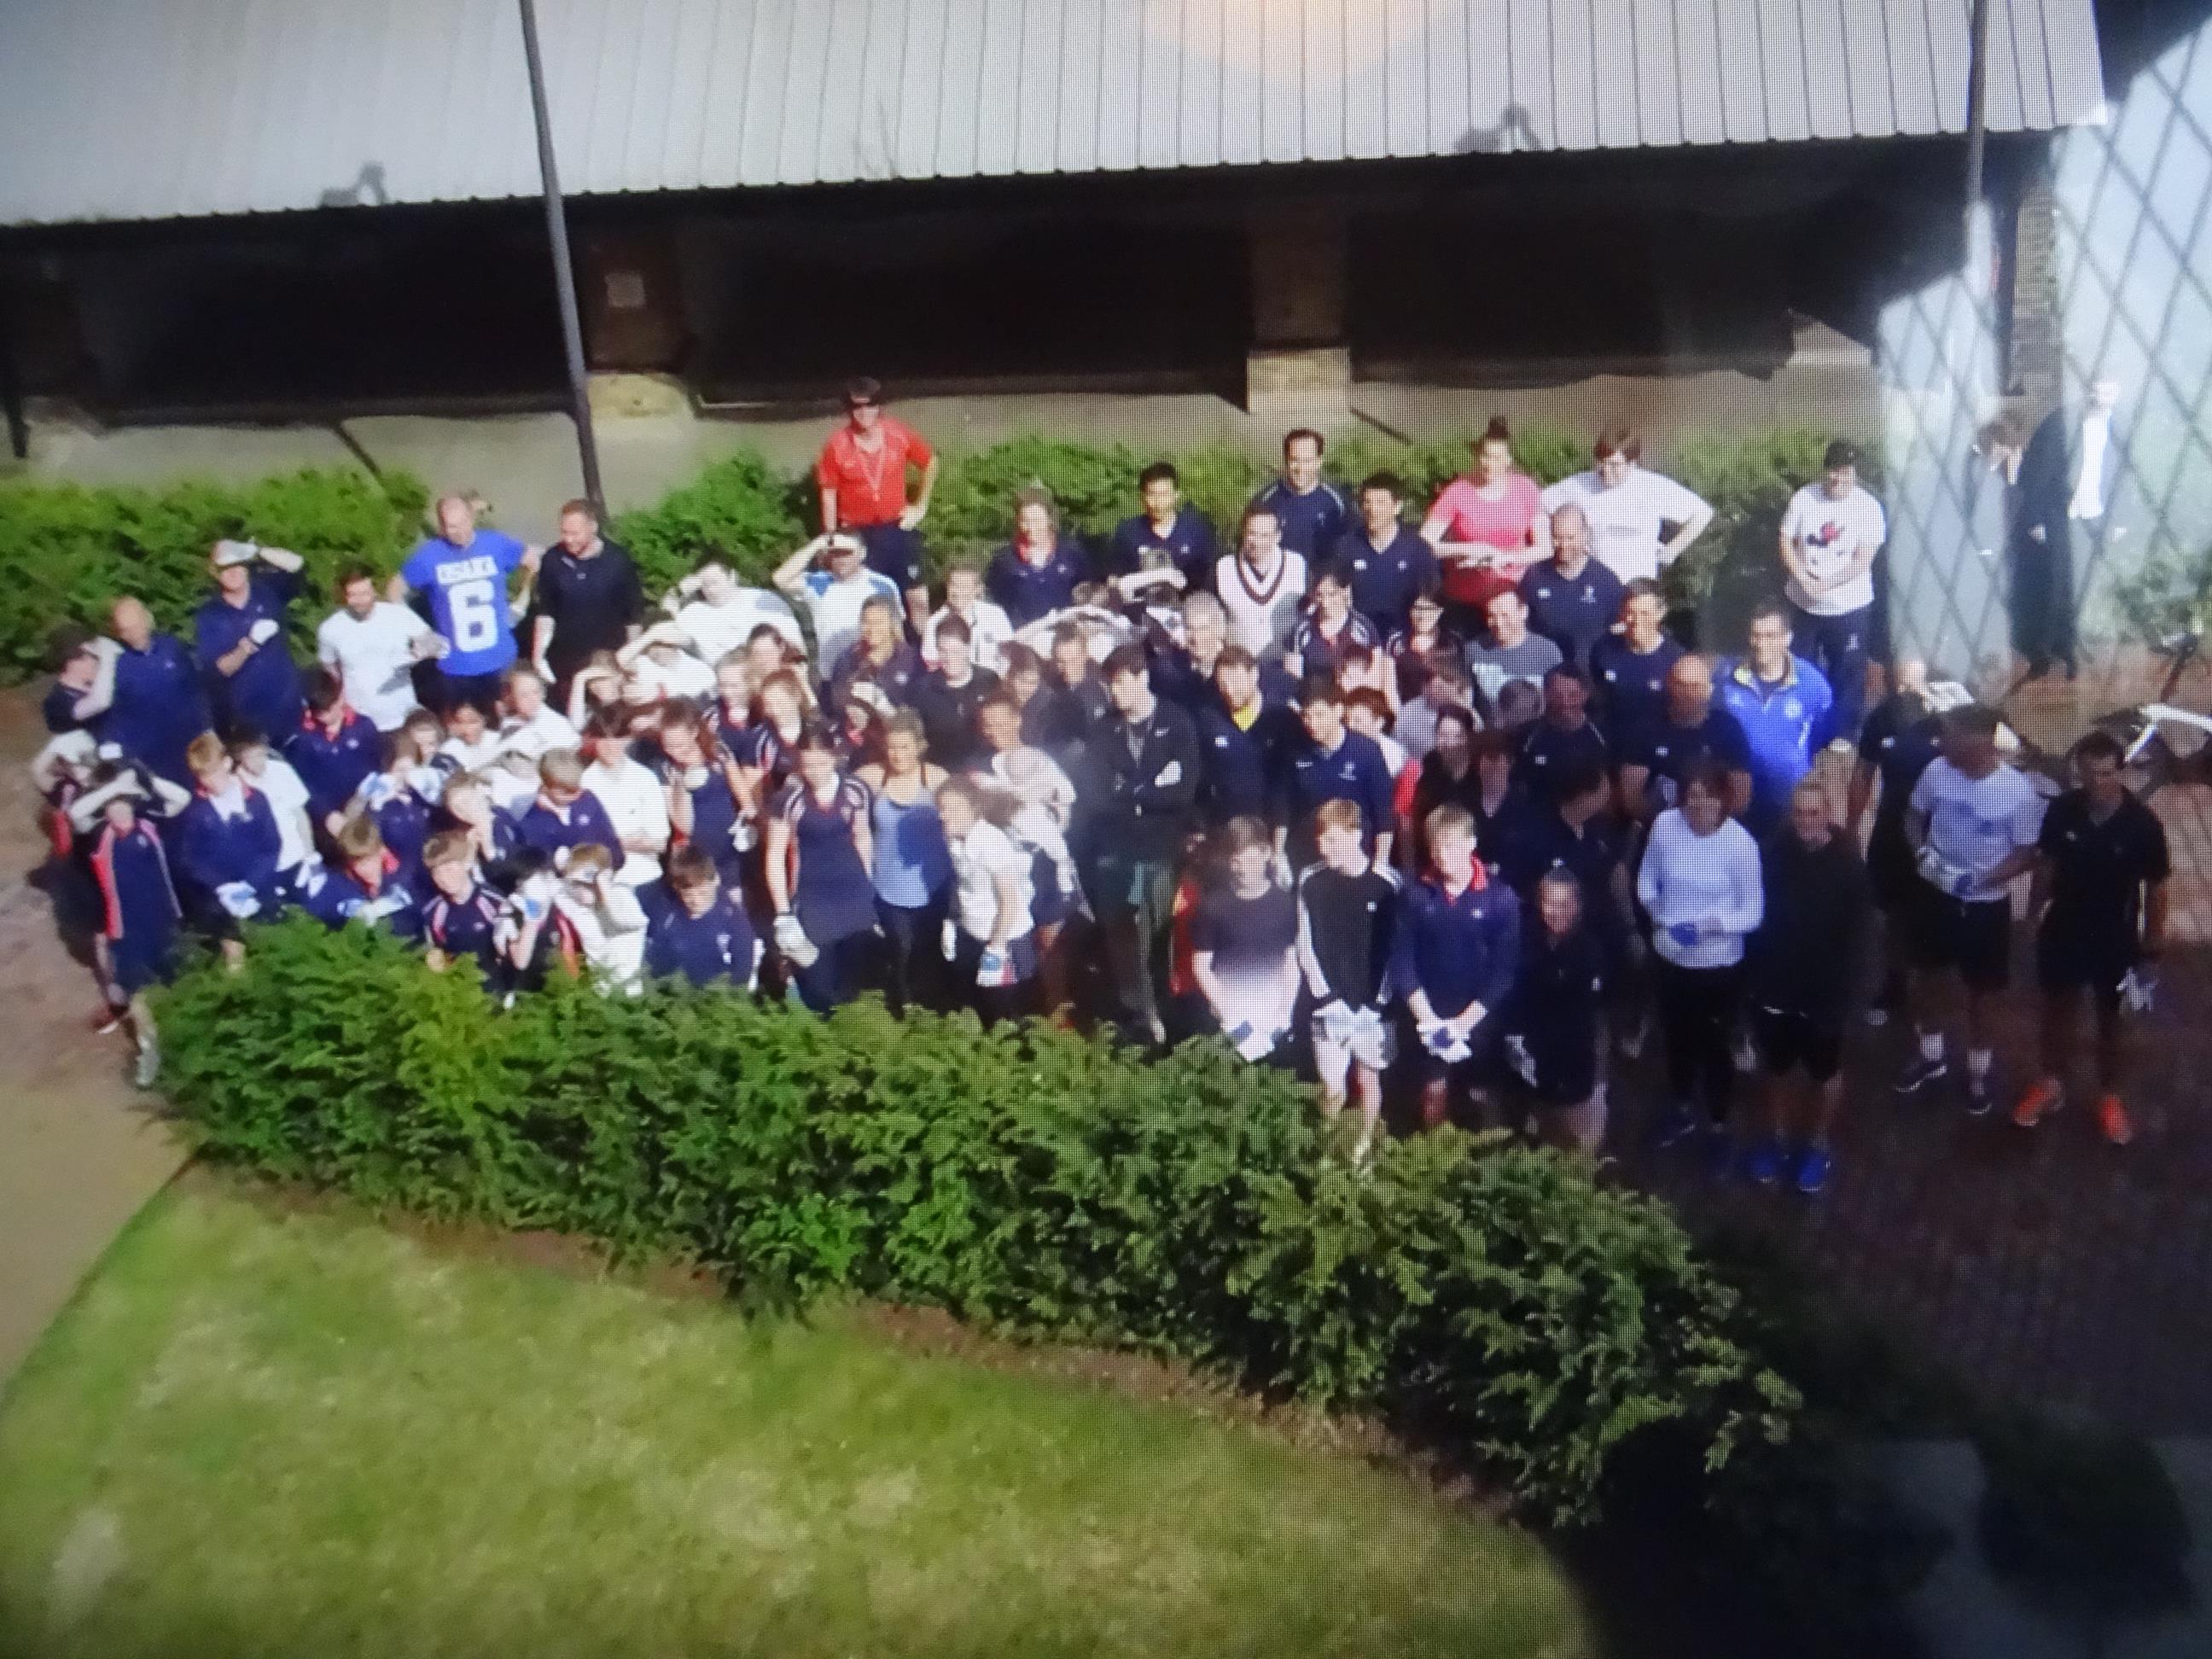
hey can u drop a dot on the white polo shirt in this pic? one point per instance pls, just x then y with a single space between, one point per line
1628 521
374 657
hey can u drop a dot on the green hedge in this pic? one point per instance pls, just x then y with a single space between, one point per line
1031 1180
67 550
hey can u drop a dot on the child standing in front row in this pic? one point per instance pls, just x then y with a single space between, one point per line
1347 907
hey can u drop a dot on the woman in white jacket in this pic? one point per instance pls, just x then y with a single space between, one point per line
1701 883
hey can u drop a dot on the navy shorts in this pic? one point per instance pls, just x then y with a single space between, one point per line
1790 1037
2066 960
1976 938
894 552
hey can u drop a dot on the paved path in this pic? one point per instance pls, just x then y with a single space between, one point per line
79 1151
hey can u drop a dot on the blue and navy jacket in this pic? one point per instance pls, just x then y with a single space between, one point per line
1457 950
1784 723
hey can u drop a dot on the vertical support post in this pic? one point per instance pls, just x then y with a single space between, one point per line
1978 73
564 275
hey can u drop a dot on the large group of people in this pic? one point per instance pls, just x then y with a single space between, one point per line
1434 804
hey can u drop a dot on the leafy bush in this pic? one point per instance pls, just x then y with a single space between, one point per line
67 550
739 505
1030 1179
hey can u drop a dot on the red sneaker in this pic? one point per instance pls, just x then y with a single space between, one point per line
2043 1098
2113 1120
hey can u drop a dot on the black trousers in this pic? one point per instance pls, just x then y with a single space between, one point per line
2042 598
1697 1022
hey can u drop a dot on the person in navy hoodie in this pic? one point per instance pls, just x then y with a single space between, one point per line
565 813
1453 959
146 693
388 797
138 902
333 749
1243 735
228 847
1036 573
699 934
239 637
364 885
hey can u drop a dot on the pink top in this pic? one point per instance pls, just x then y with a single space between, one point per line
1502 523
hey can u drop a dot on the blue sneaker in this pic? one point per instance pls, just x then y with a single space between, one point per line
1764 1162
1814 1165
1678 1125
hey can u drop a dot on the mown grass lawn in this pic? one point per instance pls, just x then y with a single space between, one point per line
301 1434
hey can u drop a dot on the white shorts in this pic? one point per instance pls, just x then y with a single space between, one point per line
1362 1033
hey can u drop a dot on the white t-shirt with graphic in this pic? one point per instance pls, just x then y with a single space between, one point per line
1976 824
1628 521
1826 534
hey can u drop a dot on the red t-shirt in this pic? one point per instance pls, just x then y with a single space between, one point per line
1502 523
870 484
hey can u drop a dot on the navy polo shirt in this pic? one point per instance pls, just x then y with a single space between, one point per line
1189 546
1546 750
336 896
1241 768
1313 523
1026 591
897 676
1574 612
216 848
1354 771
585 820
719 945
467 927
1457 950
1384 581
1318 655
1631 686
1671 753
333 765
159 707
264 693
591 601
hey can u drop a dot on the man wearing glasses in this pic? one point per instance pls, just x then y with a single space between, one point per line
861 475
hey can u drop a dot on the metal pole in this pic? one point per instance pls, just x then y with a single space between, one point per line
1978 69
564 277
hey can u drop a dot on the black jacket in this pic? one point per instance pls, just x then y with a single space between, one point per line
1141 804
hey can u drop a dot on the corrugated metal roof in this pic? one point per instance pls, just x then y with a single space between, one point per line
146 109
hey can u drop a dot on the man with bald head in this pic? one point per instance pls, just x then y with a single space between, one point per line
1659 759
465 571
146 693
1572 598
